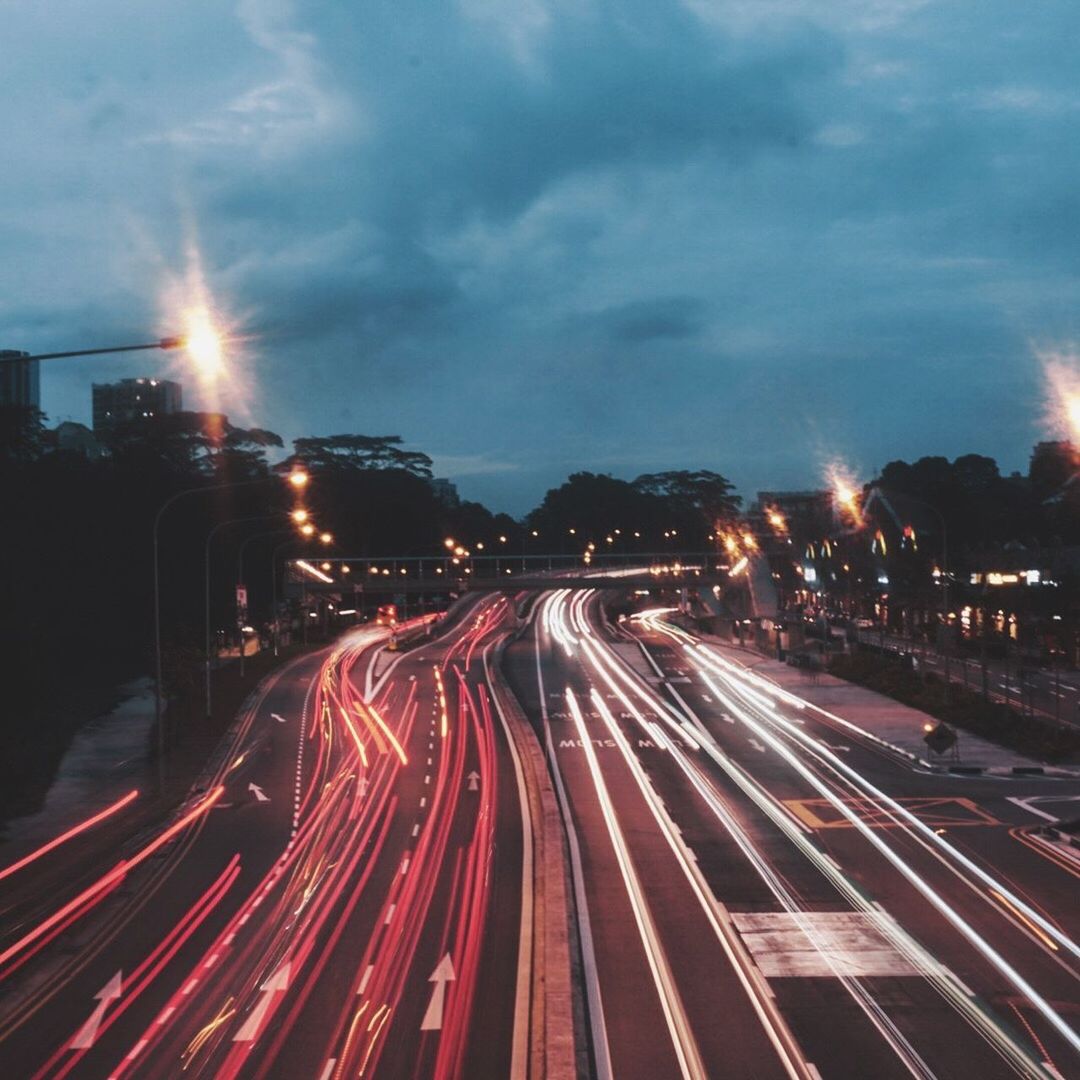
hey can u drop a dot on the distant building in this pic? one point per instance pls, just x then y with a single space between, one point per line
446 492
132 400
20 381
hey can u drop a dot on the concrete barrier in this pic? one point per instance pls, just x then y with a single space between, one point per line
553 1050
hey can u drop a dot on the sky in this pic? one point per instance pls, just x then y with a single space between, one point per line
538 236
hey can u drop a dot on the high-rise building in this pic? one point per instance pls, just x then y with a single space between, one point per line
20 381
132 400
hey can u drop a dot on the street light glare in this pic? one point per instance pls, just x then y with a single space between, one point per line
326 538
299 479
204 344
299 516
307 529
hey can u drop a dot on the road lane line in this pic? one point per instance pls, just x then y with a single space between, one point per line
682 1038
594 1000
527 929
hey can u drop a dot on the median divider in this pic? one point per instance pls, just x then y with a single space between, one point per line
552 1044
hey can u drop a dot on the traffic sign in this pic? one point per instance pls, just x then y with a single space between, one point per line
940 738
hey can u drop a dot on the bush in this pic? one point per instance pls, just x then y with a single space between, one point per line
960 707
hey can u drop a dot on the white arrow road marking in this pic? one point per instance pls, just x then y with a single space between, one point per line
442 974
474 780
258 793
363 786
757 746
729 719
705 697
278 717
277 983
85 1036
842 749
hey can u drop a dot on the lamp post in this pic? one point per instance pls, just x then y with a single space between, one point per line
298 479
161 343
240 575
206 567
944 573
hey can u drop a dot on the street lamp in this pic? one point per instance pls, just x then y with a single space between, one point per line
944 573
161 343
157 598
206 568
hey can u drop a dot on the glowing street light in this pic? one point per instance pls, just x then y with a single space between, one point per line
307 529
204 344
299 516
161 343
326 538
299 479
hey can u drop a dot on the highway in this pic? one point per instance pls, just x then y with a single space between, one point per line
759 889
763 892
342 897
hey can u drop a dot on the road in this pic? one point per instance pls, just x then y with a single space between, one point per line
343 897
764 893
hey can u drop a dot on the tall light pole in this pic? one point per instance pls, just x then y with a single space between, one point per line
298 479
240 573
206 568
944 573
161 343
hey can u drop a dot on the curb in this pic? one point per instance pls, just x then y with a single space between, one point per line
552 1045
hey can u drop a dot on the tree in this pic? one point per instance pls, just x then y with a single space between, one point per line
708 493
193 444
358 452
21 431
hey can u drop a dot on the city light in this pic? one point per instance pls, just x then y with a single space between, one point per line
299 479
326 538
314 571
204 343
307 529
846 492
777 521
299 516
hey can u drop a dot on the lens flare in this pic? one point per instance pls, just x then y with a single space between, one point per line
204 344
846 493
1061 375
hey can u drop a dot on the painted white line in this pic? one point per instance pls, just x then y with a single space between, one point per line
365 979
389 915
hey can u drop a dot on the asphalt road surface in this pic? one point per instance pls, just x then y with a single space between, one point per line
343 898
767 894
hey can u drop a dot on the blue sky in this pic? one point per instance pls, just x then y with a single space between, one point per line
535 236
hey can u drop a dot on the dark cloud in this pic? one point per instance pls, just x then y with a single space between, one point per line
537 235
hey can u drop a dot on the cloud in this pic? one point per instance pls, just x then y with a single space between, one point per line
521 230
643 321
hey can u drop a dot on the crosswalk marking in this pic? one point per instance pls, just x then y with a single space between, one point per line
821 943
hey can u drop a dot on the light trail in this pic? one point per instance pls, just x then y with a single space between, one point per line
74 831
936 900
98 890
682 1038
